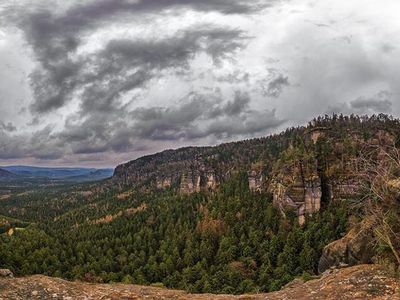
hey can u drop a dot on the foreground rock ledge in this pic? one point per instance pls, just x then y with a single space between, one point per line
359 282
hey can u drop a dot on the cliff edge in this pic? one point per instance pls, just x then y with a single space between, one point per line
358 282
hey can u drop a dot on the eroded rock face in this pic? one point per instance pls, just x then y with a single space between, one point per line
185 171
357 247
305 198
6 273
190 182
195 181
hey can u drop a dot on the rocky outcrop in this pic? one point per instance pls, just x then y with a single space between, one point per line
210 180
6 273
163 182
317 133
359 282
256 181
357 247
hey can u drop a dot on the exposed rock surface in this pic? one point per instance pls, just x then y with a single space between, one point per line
359 282
357 247
6 273
163 183
256 181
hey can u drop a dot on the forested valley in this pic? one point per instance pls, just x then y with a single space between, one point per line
233 238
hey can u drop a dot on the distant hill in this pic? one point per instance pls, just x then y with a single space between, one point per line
63 174
94 175
6 175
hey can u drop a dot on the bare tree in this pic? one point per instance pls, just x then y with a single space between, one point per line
380 178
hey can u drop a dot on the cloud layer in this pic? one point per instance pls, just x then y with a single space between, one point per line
100 82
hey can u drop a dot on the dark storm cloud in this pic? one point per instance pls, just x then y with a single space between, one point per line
84 14
99 133
55 39
124 65
119 58
176 50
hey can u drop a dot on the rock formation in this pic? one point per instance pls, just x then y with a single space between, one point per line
256 181
163 182
357 247
303 169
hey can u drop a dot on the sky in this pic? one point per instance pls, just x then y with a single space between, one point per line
100 82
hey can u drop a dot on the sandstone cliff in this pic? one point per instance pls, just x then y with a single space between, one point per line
303 168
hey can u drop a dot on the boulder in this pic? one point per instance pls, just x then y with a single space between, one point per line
6 273
357 247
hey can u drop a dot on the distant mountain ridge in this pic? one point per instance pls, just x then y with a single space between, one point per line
5 174
58 173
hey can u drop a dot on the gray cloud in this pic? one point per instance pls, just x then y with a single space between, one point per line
251 124
42 144
55 38
379 103
102 80
7 127
238 105
196 117
221 120
124 65
275 83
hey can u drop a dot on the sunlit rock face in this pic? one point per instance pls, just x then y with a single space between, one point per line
210 180
190 182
